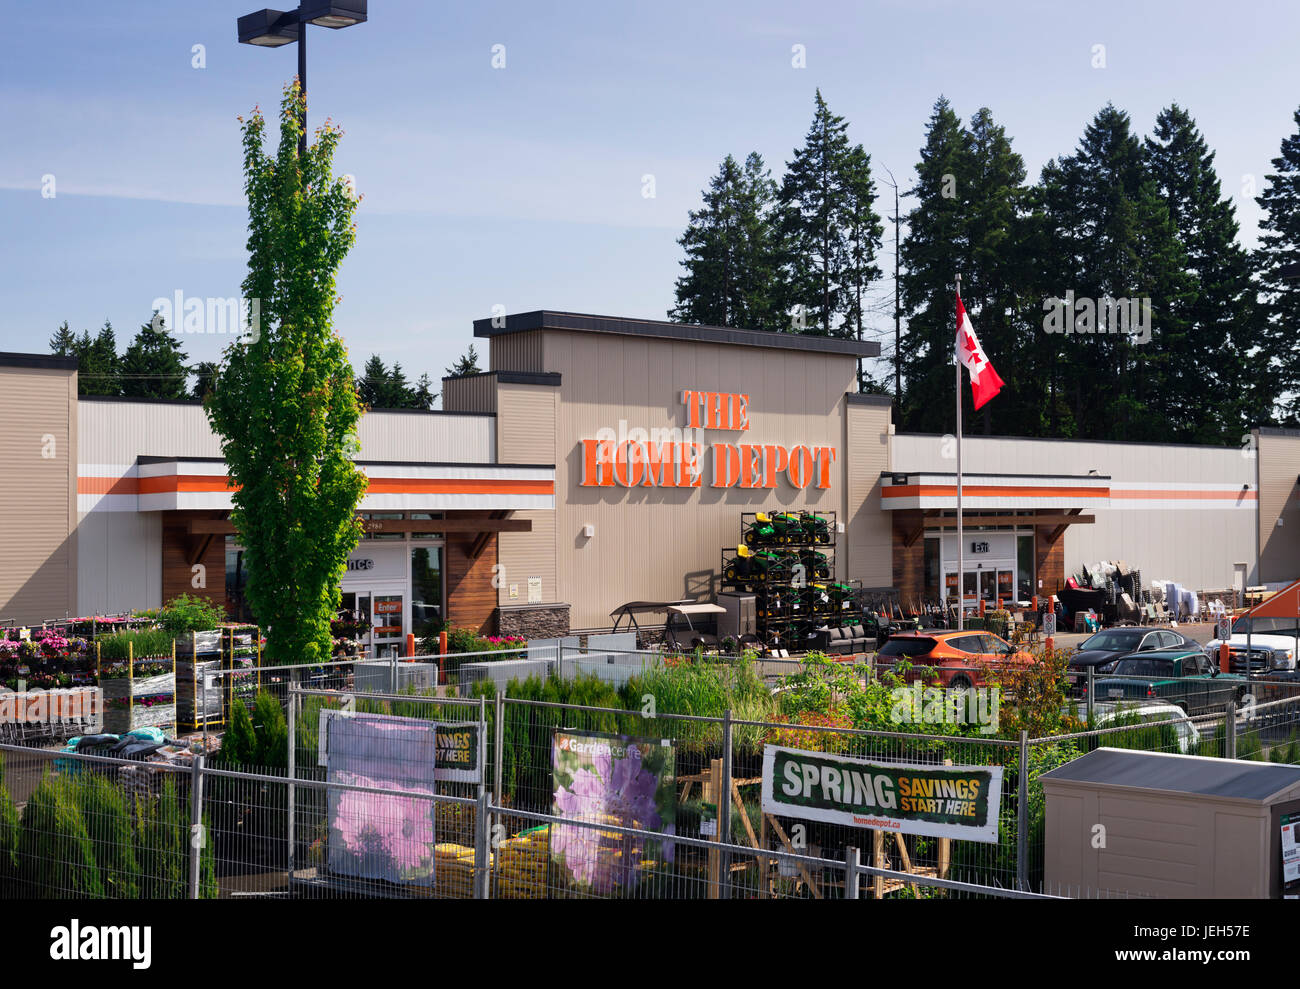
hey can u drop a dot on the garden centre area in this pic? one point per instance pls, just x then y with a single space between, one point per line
561 768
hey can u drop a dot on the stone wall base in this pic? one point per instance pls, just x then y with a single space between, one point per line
534 621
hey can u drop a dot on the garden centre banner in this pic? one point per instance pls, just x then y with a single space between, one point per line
940 801
381 835
458 746
612 779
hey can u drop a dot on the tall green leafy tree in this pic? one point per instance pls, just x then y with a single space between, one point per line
934 250
731 258
1278 258
285 403
1217 351
154 364
811 224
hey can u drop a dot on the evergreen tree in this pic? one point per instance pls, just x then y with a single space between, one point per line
10 887
730 253
64 342
1216 351
107 817
372 386
812 224
933 252
1108 235
467 364
271 750
154 364
99 369
863 233
1278 256
205 373
55 852
425 396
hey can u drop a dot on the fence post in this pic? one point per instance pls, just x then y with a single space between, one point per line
198 837
498 747
724 805
291 823
559 660
1230 731
481 854
1090 692
1022 814
482 740
392 673
852 858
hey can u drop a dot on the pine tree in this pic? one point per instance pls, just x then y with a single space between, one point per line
863 233
372 386
272 736
1107 235
107 817
467 364
425 396
99 370
239 743
154 364
1213 354
205 373
996 289
64 342
730 252
56 854
933 252
1279 253
812 224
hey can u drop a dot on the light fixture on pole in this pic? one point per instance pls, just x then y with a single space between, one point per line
273 28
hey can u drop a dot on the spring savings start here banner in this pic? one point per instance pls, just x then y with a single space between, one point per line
940 801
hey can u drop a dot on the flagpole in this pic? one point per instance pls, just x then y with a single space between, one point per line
961 597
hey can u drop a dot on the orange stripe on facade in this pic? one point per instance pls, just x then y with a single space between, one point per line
988 491
1187 495
208 483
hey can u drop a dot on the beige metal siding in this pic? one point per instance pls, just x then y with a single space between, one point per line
868 538
476 393
428 437
1279 506
660 543
1196 547
120 557
516 352
115 433
38 493
525 421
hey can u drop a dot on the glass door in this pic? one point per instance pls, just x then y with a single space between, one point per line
387 635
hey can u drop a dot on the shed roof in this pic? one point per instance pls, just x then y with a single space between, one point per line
1199 775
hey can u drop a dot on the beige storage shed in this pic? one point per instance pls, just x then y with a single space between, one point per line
1121 822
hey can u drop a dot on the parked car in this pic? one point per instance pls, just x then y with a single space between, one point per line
1272 643
1106 713
954 659
1183 677
1102 650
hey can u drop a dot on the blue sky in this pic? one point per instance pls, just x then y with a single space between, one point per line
522 186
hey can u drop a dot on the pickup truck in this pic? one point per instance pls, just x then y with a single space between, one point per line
1272 643
1182 677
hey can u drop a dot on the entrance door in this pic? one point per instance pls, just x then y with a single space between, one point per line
387 634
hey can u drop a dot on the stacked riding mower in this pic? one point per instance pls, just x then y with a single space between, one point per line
787 561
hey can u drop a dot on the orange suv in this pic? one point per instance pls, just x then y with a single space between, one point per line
958 659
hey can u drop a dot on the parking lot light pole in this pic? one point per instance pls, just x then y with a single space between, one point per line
272 28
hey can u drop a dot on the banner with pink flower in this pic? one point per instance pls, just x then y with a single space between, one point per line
614 780
387 836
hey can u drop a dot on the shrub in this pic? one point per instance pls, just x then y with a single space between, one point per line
271 750
162 847
56 854
145 642
185 614
239 743
107 817
9 885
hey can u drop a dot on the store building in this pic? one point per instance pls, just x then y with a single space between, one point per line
601 460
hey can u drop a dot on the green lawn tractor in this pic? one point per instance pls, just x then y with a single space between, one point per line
815 528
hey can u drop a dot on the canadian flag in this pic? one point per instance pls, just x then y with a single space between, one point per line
984 381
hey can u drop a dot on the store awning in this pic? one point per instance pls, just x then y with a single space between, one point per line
909 491
157 484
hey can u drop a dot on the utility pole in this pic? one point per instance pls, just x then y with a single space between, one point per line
898 313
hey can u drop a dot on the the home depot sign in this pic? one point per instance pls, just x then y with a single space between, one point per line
672 458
